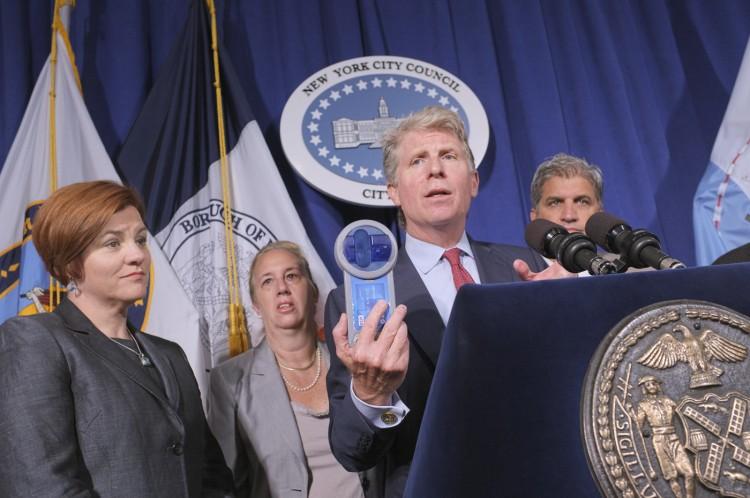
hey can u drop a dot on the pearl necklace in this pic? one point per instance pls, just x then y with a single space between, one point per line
297 388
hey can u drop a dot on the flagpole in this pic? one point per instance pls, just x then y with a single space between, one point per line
55 292
238 336
52 96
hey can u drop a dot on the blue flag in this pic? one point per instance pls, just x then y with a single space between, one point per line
172 157
721 206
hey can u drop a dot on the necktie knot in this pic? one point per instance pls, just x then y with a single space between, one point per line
453 256
460 275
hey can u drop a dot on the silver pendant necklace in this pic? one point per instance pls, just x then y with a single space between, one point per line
145 360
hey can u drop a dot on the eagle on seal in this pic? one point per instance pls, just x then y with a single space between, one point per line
696 352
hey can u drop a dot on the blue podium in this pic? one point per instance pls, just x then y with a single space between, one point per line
502 418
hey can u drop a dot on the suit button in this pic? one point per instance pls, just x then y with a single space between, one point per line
176 448
364 443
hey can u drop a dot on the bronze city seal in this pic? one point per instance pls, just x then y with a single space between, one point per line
665 404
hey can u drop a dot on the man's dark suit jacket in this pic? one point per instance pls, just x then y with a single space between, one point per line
738 255
78 417
357 444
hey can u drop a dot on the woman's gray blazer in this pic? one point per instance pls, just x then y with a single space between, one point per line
250 414
78 417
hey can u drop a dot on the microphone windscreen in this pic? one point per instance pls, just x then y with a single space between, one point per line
599 225
536 231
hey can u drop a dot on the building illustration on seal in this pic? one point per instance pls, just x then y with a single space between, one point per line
348 133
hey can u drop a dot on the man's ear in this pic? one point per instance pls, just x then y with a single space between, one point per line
475 184
393 194
532 214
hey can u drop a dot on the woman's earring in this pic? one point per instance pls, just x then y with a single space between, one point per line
73 288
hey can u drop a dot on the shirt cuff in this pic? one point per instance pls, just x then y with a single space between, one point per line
382 417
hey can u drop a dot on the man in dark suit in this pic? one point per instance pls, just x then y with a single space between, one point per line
566 190
378 386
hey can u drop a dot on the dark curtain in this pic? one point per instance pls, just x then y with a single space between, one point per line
637 87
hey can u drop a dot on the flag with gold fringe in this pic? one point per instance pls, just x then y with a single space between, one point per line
57 144
214 194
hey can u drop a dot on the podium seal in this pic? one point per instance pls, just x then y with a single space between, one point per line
665 404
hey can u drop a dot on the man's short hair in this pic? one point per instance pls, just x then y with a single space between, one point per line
429 118
566 166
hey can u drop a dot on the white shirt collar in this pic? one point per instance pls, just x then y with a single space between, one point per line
426 256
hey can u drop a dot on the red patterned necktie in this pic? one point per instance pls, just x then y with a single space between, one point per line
460 275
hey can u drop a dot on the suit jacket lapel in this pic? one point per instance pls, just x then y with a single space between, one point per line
268 393
493 265
164 366
101 346
422 319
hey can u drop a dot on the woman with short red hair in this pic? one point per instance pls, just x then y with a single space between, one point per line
90 406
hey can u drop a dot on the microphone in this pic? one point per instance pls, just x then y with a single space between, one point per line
574 251
639 248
